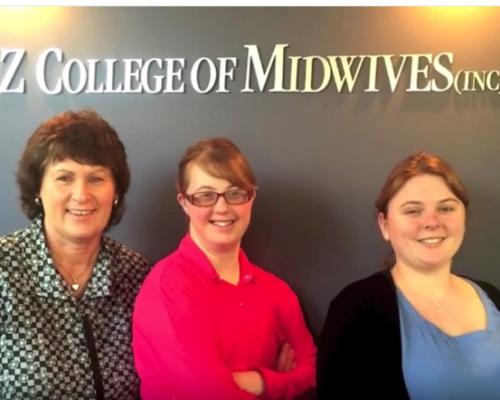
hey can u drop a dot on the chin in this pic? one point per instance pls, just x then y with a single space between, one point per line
435 264
85 235
225 244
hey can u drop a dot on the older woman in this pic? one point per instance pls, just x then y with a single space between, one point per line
67 291
208 323
415 330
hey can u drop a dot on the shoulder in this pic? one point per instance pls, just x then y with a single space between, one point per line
272 282
122 252
173 283
170 272
491 291
8 242
372 286
375 294
125 259
369 303
11 246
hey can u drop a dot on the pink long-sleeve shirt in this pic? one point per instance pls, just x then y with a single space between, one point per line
192 330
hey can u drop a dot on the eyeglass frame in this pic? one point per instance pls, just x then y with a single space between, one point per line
250 193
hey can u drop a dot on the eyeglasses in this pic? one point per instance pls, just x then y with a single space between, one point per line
210 198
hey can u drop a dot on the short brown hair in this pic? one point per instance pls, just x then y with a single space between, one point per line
218 157
82 136
418 164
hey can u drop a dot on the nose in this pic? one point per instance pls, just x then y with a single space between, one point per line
81 192
432 220
221 204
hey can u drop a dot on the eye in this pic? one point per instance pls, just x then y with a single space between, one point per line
63 178
412 211
96 179
446 208
236 194
204 199
204 195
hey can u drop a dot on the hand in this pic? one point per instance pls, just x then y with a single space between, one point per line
250 381
286 359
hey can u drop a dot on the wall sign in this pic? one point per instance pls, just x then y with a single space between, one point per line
280 72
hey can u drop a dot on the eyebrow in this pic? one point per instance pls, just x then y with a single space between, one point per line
212 189
95 171
417 203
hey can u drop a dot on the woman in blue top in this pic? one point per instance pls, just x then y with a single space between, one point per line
415 330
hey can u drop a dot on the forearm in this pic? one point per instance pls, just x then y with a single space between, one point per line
169 370
288 385
292 382
175 352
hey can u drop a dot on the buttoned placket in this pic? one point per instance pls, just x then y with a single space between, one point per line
79 339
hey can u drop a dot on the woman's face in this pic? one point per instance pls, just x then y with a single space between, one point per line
220 227
77 201
425 223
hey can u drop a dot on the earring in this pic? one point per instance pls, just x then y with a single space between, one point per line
115 201
38 201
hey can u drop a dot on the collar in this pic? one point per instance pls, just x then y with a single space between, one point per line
47 279
190 251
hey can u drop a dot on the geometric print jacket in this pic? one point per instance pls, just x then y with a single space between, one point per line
54 346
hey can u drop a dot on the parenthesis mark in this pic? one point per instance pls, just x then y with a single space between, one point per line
456 81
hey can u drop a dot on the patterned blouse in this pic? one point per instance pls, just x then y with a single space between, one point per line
53 346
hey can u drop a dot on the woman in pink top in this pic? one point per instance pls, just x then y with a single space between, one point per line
209 324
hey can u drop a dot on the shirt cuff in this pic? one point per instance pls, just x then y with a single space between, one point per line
275 384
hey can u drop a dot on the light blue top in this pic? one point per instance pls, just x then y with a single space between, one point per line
437 366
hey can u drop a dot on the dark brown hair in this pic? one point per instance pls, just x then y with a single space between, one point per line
84 137
218 157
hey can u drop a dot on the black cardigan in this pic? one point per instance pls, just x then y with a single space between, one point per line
359 350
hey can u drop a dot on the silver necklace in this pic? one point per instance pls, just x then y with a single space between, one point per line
437 304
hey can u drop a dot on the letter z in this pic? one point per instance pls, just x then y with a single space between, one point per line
6 82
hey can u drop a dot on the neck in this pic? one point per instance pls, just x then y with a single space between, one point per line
71 257
227 266
435 283
224 260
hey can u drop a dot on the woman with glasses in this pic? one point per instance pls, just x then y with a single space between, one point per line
209 324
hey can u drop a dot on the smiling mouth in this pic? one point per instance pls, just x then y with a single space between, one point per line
431 241
222 224
80 213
